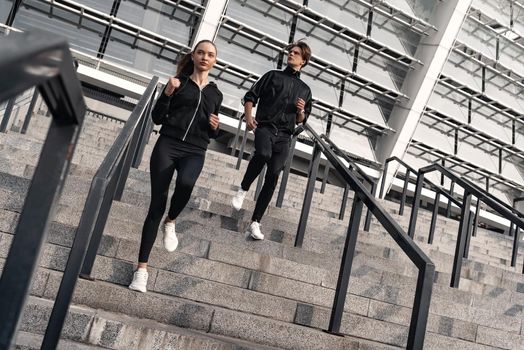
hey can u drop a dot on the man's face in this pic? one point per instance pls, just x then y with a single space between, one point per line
294 58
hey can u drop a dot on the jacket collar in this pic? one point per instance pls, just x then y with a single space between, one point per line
289 70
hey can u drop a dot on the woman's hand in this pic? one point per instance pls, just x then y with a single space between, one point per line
172 84
214 122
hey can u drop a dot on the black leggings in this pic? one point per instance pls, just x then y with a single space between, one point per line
167 157
272 150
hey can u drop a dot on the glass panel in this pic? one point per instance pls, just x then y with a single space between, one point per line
254 13
464 71
323 88
145 56
5 8
100 5
403 6
158 18
518 19
510 171
512 56
349 13
239 52
491 123
479 38
391 34
434 138
494 9
352 142
374 68
451 104
326 45
365 108
497 88
34 15
232 87
422 8
476 156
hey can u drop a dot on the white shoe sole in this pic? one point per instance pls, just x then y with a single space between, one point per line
142 290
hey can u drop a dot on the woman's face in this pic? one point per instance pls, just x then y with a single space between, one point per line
204 56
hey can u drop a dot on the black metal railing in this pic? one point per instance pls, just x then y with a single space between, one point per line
439 191
28 60
107 185
465 225
362 196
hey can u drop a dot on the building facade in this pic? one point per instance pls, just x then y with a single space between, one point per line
425 80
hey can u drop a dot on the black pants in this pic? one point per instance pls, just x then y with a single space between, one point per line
271 148
167 157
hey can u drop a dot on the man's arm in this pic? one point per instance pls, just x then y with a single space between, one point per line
248 115
251 98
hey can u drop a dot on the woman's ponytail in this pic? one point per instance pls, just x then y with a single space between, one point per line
185 66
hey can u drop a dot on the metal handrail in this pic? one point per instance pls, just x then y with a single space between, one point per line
27 60
438 190
419 316
107 185
464 233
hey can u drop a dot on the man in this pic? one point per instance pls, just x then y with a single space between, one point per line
283 101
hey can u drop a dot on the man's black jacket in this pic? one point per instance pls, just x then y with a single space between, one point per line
185 114
276 93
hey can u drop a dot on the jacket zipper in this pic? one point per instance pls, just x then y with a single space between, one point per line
194 114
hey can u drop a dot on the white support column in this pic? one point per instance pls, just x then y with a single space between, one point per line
210 22
433 51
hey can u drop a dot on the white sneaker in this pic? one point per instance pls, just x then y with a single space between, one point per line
238 199
254 228
170 239
139 280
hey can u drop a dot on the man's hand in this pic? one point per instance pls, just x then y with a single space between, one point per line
172 84
214 122
301 104
251 122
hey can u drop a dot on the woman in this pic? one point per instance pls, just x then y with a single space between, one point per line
188 111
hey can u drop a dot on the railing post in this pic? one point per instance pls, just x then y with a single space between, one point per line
468 232
29 113
461 241
345 266
285 175
308 196
515 248
144 131
476 220
324 178
237 134
434 218
7 114
98 229
404 193
384 174
367 222
33 225
416 205
420 313
242 146
344 203
451 189
260 181
74 262
127 159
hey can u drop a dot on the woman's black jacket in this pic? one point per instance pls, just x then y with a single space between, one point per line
185 114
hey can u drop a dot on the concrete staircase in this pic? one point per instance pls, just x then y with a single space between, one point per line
221 290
